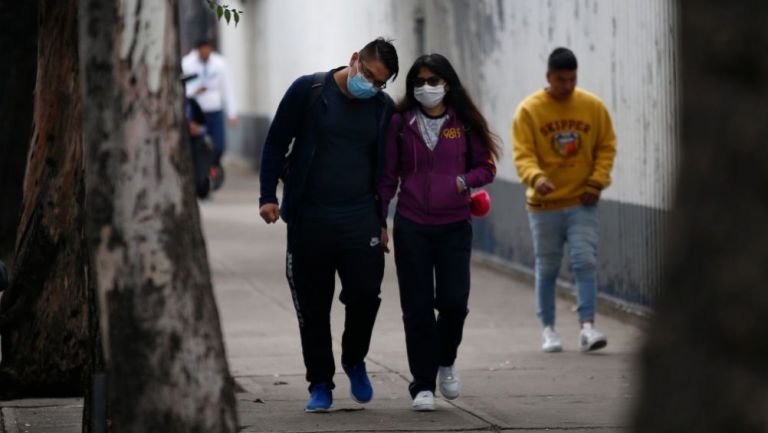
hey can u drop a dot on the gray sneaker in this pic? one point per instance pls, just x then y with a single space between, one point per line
591 339
449 382
424 402
551 340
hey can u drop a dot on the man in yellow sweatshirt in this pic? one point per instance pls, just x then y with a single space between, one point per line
564 146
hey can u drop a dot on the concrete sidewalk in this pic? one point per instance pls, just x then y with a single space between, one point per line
507 382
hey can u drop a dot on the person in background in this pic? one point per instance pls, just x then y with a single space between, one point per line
338 120
201 145
212 89
564 147
438 147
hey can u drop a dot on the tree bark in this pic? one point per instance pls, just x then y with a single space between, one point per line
163 346
705 363
18 42
43 314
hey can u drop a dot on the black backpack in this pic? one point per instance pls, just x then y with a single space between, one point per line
318 82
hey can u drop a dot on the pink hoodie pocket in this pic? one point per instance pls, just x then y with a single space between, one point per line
444 196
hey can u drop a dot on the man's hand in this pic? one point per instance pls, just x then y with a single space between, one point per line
384 240
233 122
270 213
543 186
200 90
194 129
589 198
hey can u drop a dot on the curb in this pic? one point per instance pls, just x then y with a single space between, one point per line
8 423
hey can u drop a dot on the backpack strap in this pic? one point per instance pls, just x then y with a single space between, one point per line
318 81
468 159
400 139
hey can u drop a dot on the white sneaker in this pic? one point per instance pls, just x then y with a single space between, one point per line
551 340
424 402
591 339
449 382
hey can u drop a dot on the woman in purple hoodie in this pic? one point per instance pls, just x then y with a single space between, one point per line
438 147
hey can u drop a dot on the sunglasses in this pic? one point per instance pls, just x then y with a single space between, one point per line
432 81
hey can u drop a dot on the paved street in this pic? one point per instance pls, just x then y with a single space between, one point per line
508 384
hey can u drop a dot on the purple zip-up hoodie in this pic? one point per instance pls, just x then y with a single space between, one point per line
427 178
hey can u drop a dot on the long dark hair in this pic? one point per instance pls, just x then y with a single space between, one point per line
455 96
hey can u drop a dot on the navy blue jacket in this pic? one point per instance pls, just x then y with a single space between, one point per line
294 120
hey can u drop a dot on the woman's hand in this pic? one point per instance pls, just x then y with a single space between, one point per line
461 184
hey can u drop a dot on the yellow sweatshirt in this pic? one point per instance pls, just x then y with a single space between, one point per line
570 142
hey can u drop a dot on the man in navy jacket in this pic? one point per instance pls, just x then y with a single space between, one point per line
326 143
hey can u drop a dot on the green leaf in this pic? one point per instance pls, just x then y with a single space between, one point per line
237 18
227 15
219 12
211 4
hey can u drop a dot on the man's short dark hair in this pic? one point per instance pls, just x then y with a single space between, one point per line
383 50
562 59
204 41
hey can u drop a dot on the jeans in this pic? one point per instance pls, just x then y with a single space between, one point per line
215 123
578 227
433 274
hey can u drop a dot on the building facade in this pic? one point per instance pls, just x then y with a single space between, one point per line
627 51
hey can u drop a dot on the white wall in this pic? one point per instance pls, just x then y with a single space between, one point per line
626 52
627 56
280 40
236 45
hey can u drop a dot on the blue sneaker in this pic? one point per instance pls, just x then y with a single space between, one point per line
360 386
320 398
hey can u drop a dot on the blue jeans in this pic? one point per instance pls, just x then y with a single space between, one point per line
214 122
578 227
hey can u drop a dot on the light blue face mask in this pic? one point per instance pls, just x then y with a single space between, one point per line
359 87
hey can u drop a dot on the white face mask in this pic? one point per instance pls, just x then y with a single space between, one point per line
429 96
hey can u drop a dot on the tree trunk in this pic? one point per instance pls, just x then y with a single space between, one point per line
163 346
18 42
705 363
43 314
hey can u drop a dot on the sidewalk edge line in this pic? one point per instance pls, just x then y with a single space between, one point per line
610 306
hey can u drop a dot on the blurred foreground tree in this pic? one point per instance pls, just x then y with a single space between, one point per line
18 43
705 363
162 342
163 345
43 314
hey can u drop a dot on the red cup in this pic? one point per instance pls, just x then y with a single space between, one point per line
480 203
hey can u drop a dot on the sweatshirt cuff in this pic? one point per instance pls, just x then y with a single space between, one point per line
535 178
267 200
595 184
594 187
